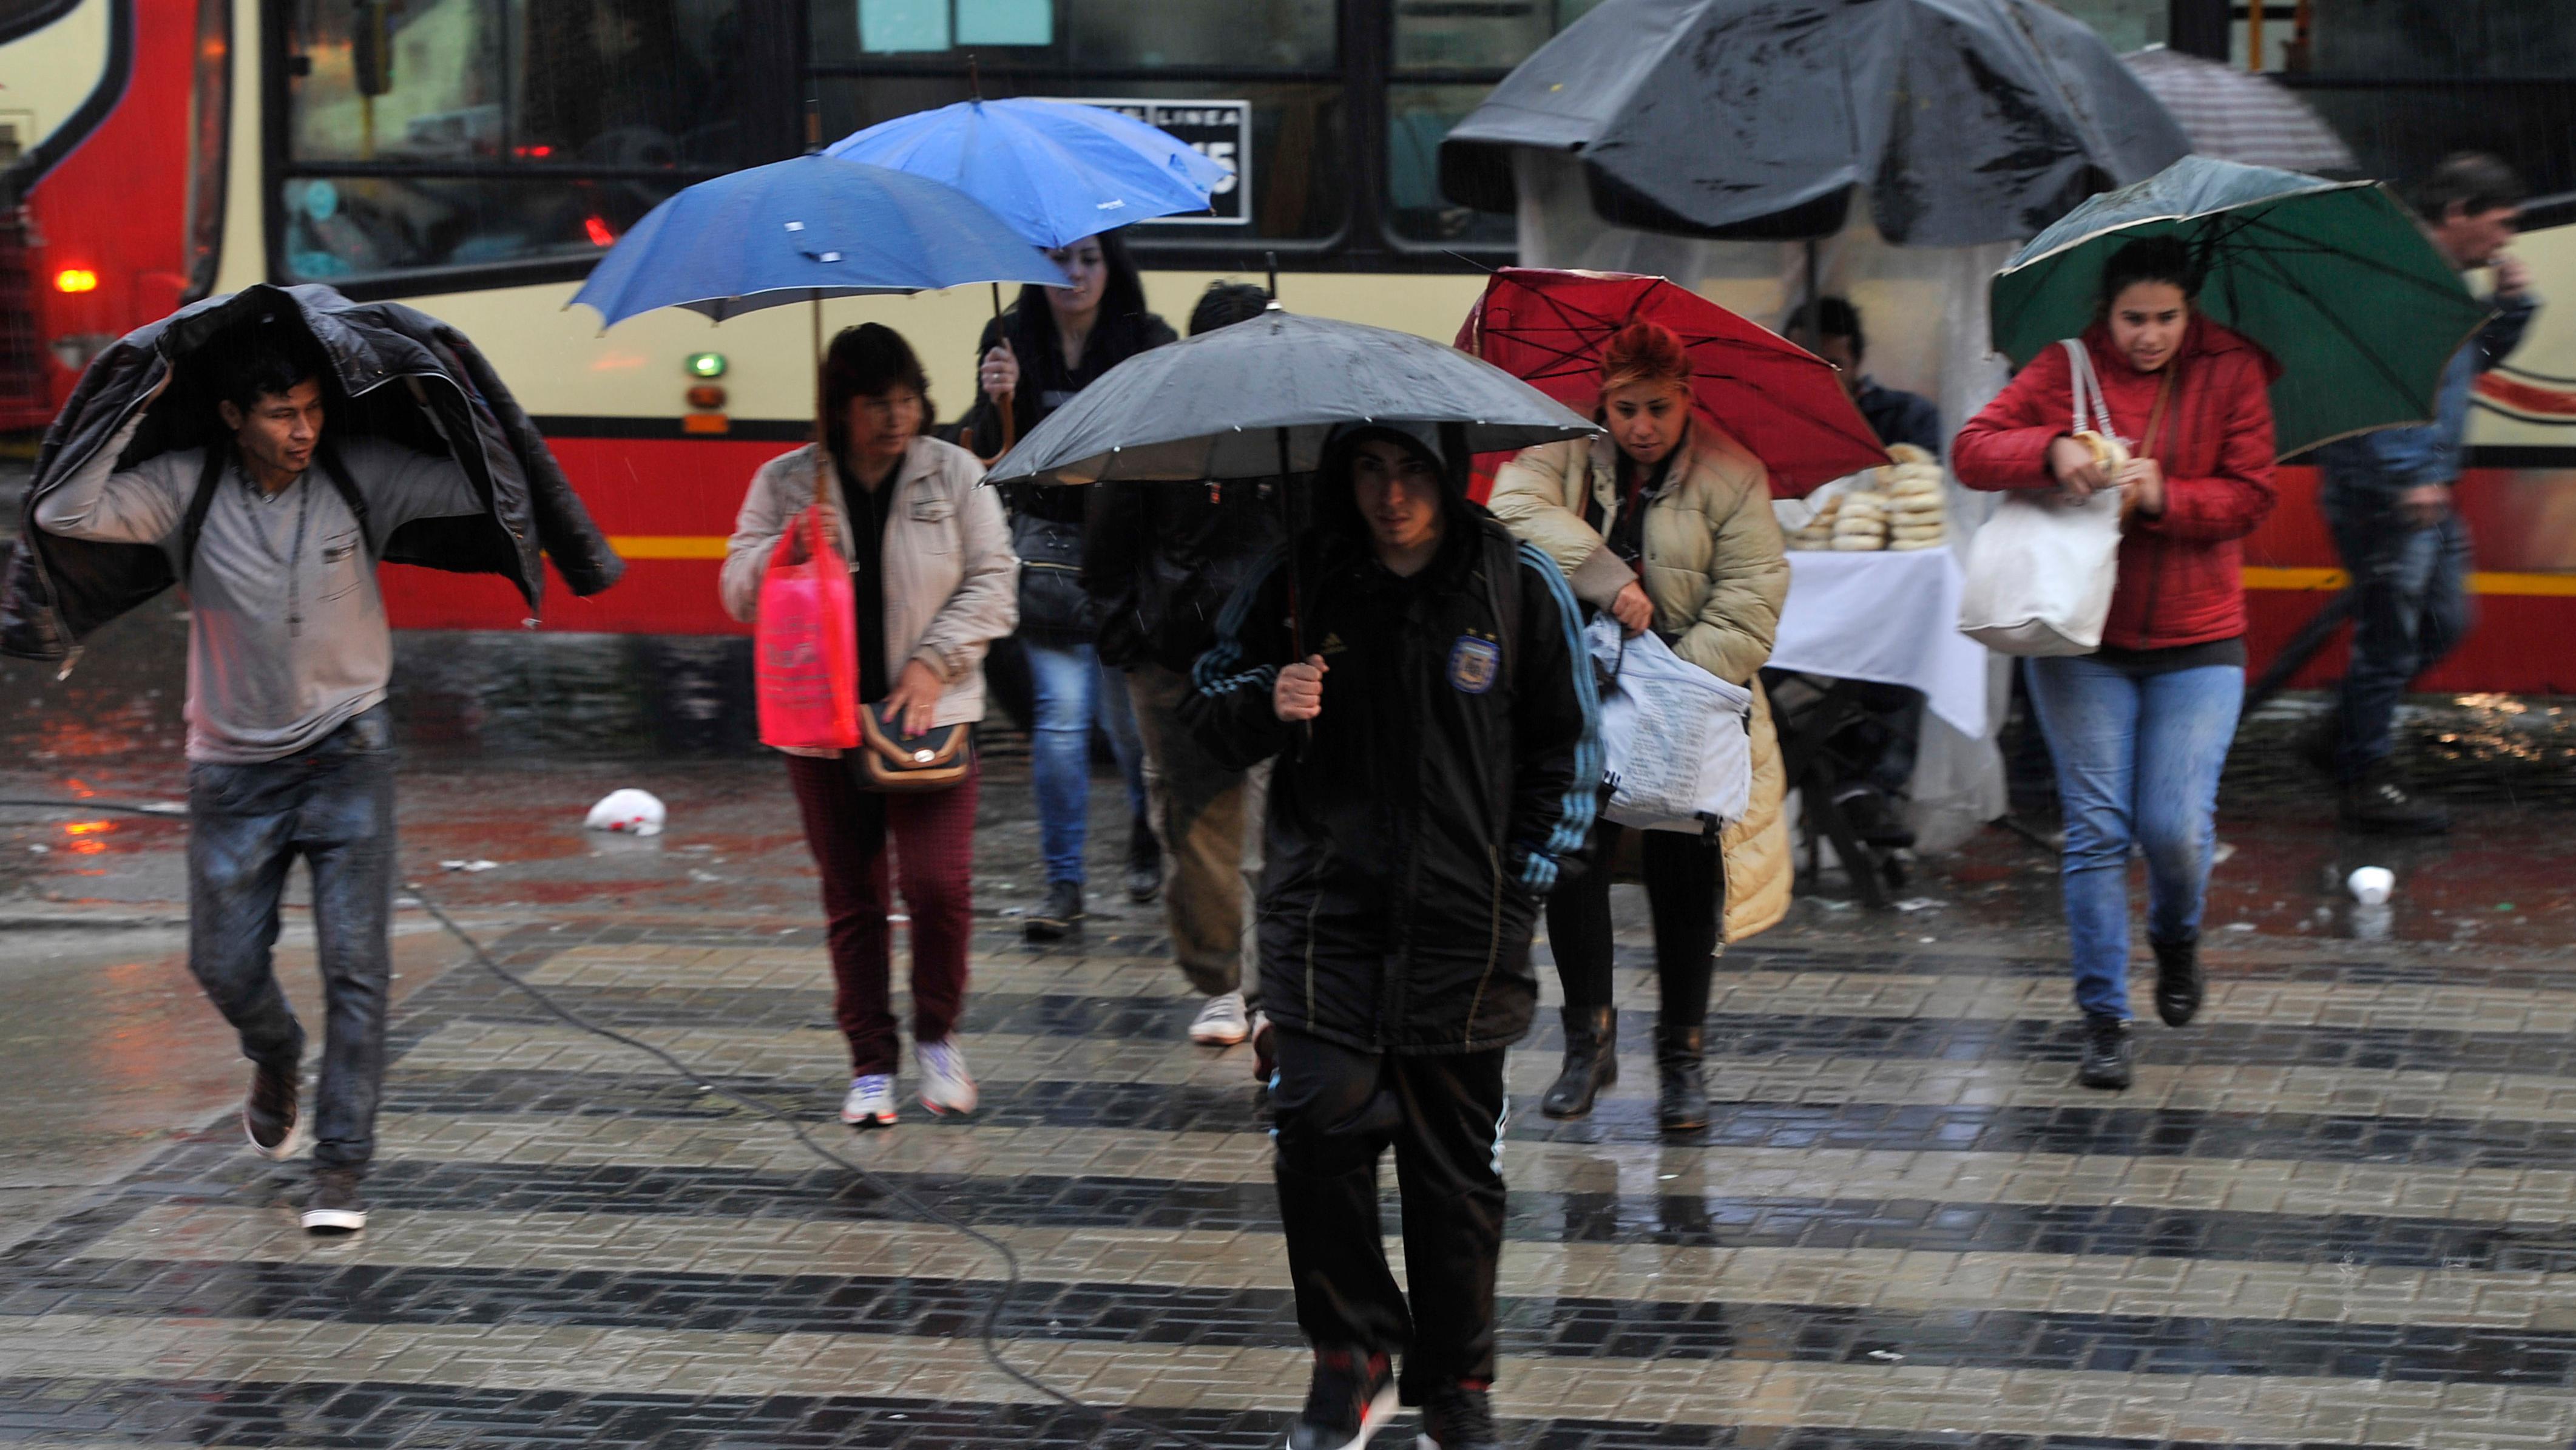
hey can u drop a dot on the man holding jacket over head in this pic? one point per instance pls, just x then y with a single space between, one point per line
1435 766
275 533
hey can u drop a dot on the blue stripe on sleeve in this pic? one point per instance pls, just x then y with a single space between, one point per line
1215 672
1582 795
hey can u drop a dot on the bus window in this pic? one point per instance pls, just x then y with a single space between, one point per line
1096 36
1299 140
874 60
461 133
1448 57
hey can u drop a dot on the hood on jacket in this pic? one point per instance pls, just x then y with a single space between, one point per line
1336 509
392 371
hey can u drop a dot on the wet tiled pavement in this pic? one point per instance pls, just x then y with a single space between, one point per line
2341 1212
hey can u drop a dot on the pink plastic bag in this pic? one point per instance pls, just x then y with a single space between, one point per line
805 647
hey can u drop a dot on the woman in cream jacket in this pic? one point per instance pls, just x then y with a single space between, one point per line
935 583
1664 524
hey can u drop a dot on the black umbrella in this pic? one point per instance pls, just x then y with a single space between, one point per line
1256 400
1967 120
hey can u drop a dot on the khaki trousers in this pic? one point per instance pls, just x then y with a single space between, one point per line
1209 820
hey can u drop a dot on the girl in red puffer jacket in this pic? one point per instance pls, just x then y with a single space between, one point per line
2140 728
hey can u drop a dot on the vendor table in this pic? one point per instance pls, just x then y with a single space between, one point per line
1887 617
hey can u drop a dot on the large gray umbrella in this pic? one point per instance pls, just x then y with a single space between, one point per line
1255 400
1966 120
2234 115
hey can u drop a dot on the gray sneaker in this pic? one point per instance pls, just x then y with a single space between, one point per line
1223 1022
335 1206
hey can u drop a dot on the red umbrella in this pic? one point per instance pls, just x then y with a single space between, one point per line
1779 400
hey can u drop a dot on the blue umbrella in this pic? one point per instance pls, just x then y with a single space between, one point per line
1057 171
804 230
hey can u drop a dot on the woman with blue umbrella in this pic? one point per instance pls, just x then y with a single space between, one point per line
925 544
1055 171
1032 359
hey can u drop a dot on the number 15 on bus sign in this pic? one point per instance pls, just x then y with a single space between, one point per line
1218 130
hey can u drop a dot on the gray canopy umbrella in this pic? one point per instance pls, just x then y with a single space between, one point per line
1966 120
1255 400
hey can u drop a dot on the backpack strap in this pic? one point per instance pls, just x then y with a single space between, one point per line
194 523
217 456
328 456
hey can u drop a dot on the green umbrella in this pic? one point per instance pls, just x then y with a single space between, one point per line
2335 279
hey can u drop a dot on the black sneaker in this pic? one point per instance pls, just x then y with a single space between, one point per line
335 1207
2180 984
2379 804
2319 742
1459 1418
1347 1401
1060 917
272 1117
1144 863
2106 1053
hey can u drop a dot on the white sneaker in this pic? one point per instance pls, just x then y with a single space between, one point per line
870 1103
1222 1022
945 1087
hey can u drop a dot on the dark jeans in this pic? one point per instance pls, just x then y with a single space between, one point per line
332 804
1335 1111
1685 892
2412 609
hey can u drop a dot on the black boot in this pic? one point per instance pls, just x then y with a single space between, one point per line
1591 1062
1060 917
1681 1105
1144 862
2179 982
2106 1053
2379 804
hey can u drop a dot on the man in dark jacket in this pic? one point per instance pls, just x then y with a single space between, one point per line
276 534
1832 332
2386 497
1160 560
1432 718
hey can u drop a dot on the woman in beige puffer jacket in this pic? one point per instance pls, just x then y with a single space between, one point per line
1666 523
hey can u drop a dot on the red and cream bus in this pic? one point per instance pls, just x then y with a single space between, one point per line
474 157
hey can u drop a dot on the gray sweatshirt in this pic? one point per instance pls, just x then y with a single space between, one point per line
286 631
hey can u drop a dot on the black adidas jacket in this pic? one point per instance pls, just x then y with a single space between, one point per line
1415 829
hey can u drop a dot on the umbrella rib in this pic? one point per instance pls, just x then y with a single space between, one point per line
2386 373
2370 262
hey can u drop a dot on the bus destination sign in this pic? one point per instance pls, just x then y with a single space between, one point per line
1219 130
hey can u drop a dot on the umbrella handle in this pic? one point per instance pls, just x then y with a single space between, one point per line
1010 427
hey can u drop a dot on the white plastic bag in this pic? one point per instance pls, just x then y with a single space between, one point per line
1676 741
638 811
2041 571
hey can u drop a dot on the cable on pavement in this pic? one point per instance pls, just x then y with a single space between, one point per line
988 1333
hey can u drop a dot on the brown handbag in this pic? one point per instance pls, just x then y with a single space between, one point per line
936 759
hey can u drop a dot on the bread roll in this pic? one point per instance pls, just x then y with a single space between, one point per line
1858 544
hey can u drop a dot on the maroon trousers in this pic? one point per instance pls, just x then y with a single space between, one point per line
932 839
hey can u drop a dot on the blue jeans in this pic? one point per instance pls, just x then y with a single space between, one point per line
2137 763
333 805
1074 692
2412 609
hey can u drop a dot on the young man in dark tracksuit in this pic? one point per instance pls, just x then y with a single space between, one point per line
1435 765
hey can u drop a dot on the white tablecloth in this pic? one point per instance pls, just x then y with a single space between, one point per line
1888 616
